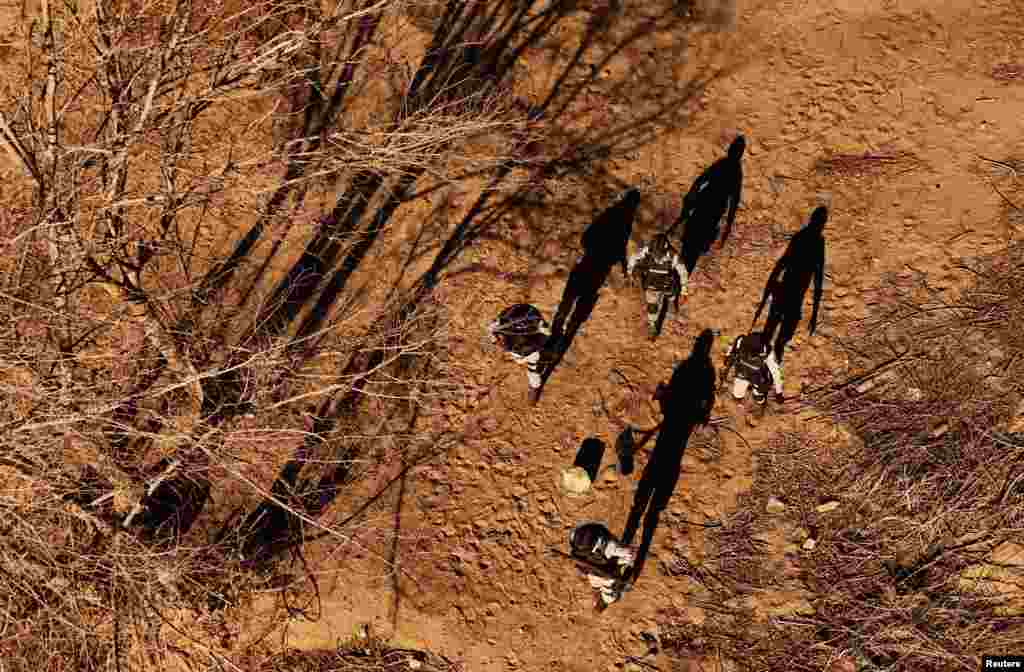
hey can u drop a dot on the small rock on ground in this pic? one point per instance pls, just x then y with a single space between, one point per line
575 481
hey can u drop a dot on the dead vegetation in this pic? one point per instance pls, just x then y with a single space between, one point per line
1007 72
364 653
913 511
218 290
867 165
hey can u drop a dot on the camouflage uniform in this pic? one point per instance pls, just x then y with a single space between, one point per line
756 368
662 275
523 332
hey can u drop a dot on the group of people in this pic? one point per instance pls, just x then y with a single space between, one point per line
663 273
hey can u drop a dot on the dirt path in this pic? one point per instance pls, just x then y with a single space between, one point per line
477 580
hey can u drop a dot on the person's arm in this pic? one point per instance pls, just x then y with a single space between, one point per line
734 204
776 371
819 281
635 259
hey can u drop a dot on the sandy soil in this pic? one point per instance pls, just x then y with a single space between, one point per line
473 575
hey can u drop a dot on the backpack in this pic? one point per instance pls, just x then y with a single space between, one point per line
750 364
660 275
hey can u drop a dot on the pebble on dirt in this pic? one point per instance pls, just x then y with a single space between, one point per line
774 506
828 506
575 481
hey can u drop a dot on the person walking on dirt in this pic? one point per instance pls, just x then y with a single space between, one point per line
522 331
803 259
662 276
716 193
755 368
608 563
686 402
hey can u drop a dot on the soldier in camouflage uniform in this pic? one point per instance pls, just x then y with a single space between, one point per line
756 370
522 331
662 276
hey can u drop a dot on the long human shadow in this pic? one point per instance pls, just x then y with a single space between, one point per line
686 402
604 246
268 530
713 195
803 260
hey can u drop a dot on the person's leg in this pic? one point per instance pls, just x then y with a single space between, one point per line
533 376
653 299
739 388
760 397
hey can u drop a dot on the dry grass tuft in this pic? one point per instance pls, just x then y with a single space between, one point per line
364 654
867 164
1008 72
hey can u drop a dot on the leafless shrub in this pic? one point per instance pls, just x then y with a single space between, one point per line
914 567
203 341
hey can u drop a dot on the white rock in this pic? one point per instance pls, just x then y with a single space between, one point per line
828 506
575 481
774 506
809 545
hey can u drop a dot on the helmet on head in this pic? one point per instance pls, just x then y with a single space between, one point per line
520 319
660 245
589 540
736 149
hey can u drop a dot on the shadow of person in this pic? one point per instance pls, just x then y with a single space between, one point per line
803 260
713 195
604 245
685 403
607 237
